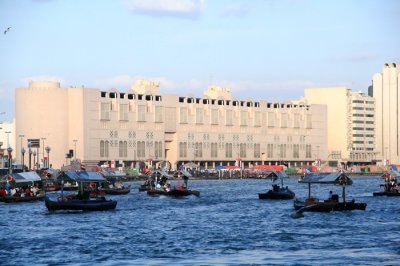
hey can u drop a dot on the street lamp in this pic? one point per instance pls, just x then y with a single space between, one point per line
48 156
34 158
30 154
75 141
9 150
22 154
8 138
43 139
21 136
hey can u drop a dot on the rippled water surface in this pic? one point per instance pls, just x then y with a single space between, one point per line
227 225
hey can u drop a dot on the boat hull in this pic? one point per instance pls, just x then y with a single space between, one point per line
20 199
389 194
277 195
174 192
116 191
329 206
98 204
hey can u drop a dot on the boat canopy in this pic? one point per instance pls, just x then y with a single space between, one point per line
337 178
83 176
160 174
23 177
185 173
393 173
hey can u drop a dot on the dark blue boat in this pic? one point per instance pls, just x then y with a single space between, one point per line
82 201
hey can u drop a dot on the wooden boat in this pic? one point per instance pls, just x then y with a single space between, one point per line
16 199
116 191
313 204
390 187
144 187
173 192
21 181
96 204
82 201
277 192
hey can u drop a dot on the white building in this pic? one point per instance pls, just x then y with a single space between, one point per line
351 123
143 125
386 91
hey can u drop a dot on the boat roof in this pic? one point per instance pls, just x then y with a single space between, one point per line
83 176
161 173
186 173
337 178
394 173
24 177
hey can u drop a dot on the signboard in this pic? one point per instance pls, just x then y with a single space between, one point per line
35 143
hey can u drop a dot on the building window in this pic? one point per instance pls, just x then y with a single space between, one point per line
296 149
228 150
159 114
158 149
214 150
141 148
257 150
284 120
243 118
229 118
257 119
105 109
270 150
183 149
183 115
214 116
123 149
123 112
271 119
199 116
242 153
296 120
141 113
308 151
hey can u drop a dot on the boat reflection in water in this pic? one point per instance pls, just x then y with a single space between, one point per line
82 200
333 203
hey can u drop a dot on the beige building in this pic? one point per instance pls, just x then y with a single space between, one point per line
351 123
143 125
386 91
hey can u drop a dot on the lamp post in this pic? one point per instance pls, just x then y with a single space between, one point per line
43 139
8 138
21 136
30 155
22 156
9 150
75 141
34 158
48 156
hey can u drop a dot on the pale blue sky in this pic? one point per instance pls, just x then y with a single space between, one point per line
263 50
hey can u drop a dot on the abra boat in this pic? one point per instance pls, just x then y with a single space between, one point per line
313 204
277 192
82 201
21 181
173 192
390 187
116 191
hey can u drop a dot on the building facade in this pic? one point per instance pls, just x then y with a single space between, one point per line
143 126
385 90
351 124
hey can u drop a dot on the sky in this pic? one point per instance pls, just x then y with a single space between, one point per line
261 49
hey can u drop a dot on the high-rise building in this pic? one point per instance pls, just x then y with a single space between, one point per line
386 91
351 123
